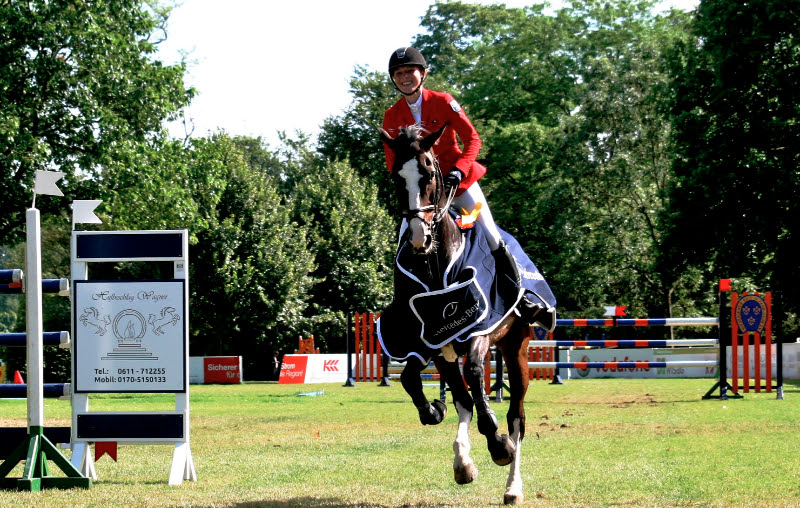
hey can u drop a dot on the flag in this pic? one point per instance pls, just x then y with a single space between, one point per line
724 284
83 211
103 447
616 311
45 183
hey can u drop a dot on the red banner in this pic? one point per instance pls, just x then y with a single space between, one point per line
222 369
293 369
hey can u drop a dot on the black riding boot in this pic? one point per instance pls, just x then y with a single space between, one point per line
508 280
509 283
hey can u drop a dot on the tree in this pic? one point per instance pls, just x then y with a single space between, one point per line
353 136
734 198
352 238
571 111
251 264
77 80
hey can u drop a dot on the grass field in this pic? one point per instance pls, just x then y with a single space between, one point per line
590 442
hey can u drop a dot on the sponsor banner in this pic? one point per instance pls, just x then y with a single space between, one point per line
686 355
196 374
293 369
313 369
611 355
326 369
791 362
643 355
215 369
222 369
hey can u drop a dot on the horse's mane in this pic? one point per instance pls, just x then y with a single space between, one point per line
414 132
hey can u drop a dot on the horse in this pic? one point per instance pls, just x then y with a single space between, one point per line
432 239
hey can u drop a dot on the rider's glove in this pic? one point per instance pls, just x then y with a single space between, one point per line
453 179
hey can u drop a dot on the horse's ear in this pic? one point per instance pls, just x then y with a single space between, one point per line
431 140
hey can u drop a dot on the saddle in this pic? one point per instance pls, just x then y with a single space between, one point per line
466 302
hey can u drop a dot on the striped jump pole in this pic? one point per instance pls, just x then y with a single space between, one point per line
623 365
60 286
49 391
697 321
602 343
35 449
60 339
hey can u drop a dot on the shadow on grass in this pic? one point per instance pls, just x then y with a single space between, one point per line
305 502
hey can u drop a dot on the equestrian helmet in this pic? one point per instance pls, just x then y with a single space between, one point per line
406 56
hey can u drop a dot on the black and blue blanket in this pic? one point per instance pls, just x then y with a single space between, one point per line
424 317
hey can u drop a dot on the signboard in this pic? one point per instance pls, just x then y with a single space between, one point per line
215 369
293 369
129 336
644 355
222 369
314 368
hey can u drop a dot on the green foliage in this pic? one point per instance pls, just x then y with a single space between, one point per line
77 81
250 267
352 239
571 110
735 104
353 136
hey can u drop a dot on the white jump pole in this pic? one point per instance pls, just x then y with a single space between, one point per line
34 326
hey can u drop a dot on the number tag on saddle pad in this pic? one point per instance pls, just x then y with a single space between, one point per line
448 313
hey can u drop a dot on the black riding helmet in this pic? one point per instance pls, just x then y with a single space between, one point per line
406 56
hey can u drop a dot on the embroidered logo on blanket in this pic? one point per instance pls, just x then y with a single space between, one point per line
447 313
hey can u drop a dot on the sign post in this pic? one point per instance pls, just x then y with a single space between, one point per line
130 336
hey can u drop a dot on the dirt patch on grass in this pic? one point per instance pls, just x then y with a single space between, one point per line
623 401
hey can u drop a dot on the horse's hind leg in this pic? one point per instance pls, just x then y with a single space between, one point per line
464 470
515 354
411 379
500 446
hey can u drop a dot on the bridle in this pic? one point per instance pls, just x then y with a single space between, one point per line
439 211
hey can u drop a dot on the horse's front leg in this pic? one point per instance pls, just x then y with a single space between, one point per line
464 470
500 446
430 413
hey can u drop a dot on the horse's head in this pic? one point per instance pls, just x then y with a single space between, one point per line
420 187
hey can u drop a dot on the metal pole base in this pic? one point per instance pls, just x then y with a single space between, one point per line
35 450
723 392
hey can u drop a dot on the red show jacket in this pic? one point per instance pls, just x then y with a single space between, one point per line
438 109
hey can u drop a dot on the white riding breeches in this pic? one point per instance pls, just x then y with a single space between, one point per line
467 200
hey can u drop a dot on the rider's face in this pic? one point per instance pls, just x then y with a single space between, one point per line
408 78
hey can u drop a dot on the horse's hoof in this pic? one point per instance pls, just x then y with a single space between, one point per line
465 474
433 414
502 450
509 498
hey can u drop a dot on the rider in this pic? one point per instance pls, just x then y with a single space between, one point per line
431 110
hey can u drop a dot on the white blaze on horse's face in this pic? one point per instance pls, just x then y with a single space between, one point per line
419 229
